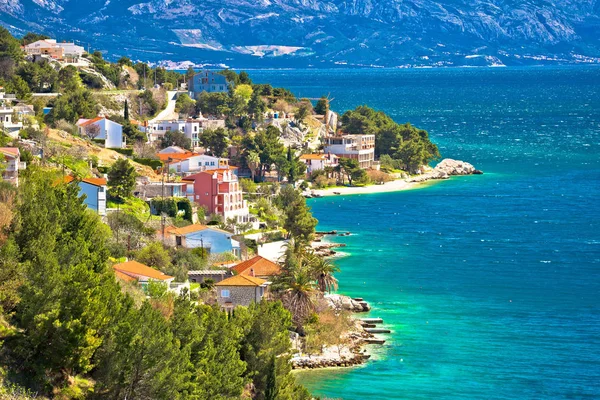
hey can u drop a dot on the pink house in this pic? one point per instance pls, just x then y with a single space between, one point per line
219 191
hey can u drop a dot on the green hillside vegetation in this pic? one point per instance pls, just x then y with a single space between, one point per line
408 145
76 334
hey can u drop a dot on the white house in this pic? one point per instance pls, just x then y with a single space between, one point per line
357 147
59 51
191 163
7 124
192 128
11 157
316 162
104 129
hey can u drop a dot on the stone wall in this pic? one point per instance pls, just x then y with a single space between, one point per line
239 295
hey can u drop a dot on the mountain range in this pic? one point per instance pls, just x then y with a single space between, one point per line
312 33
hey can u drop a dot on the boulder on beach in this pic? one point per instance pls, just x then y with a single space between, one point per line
447 168
340 302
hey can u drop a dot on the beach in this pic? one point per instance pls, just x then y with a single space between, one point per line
393 186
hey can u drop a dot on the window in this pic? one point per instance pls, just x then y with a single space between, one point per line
225 293
199 163
212 163
206 163
101 189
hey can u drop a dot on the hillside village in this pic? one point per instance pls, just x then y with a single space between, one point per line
199 181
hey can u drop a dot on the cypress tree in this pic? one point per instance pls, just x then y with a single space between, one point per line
126 111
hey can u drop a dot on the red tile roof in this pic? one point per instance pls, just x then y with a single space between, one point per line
13 151
258 265
242 280
185 230
91 121
176 156
95 181
135 269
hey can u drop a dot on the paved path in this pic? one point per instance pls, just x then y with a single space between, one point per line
169 112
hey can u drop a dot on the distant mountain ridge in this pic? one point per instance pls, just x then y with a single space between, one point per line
297 33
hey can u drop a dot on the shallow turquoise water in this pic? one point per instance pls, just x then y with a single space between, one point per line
490 283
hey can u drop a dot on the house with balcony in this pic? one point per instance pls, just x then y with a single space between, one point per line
102 128
315 162
94 190
187 163
148 190
11 158
219 191
207 81
240 290
210 238
357 147
191 128
62 51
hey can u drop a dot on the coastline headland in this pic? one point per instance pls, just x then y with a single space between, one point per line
444 170
362 333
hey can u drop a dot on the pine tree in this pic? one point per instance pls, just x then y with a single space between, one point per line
271 391
68 296
121 179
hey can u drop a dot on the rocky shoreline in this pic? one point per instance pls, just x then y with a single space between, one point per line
445 169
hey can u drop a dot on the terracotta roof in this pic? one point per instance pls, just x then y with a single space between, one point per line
13 151
95 181
186 229
91 181
90 121
312 156
242 280
176 156
124 277
259 265
133 268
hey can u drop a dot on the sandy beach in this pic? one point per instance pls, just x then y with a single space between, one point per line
393 186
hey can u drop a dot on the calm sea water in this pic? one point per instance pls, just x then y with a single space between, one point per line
490 283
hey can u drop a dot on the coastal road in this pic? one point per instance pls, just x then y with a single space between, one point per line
169 112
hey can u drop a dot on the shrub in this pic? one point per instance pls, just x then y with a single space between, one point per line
126 152
152 163
379 176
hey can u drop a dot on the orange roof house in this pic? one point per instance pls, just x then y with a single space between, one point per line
257 267
240 290
143 273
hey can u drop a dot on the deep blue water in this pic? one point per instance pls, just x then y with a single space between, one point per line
490 283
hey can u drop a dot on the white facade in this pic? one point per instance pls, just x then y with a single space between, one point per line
56 50
6 122
11 158
71 49
199 163
109 131
192 128
315 162
357 147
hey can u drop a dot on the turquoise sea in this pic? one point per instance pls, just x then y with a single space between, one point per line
491 284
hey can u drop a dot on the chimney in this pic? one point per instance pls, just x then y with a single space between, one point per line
252 272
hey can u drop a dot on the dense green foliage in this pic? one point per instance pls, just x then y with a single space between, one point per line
74 321
121 179
404 142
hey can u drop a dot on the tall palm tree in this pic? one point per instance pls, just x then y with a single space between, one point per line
297 297
253 161
322 271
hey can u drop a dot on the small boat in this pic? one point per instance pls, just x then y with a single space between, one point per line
308 196
337 193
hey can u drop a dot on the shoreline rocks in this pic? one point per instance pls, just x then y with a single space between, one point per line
447 168
341 302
